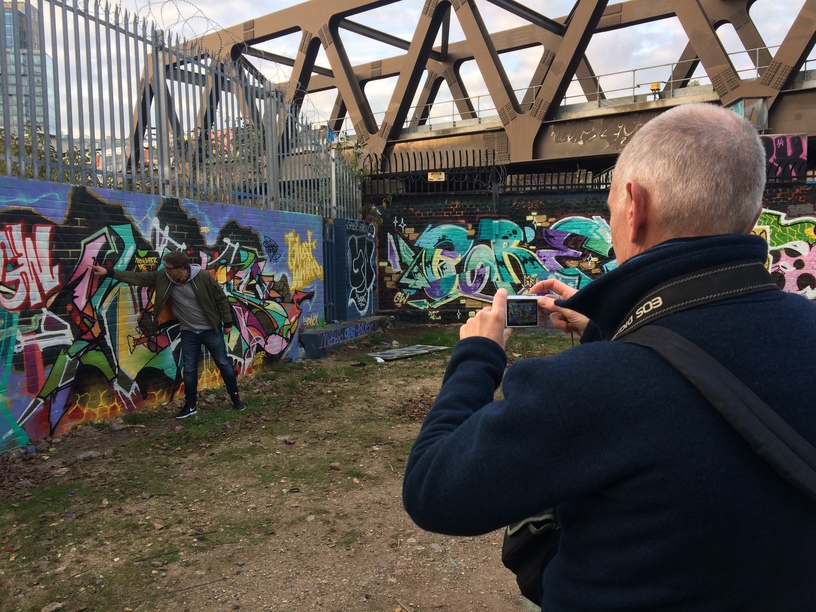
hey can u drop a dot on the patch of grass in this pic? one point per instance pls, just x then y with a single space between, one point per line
236 455
437 337
356 473
46 500
203 427
350 538
307 472
144 417
331 374
538 344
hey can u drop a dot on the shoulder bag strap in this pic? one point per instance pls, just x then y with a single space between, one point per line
793 457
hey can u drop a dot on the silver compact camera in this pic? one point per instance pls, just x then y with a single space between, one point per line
522 311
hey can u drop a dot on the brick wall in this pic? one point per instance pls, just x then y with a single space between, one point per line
441 258
73 346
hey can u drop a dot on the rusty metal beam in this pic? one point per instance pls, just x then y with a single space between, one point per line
538 20
382 37
570 53
429 25
487 58
286 61
793 51
348 87
530 128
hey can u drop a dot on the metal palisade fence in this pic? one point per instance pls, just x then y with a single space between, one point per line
93 96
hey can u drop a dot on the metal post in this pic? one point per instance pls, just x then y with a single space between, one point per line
270 123
333 181
162 122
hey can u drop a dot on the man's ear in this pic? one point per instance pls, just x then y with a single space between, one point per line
750 228
638 213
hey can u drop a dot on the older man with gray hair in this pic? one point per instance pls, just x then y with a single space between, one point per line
662 505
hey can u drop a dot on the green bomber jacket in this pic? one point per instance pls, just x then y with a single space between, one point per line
209 293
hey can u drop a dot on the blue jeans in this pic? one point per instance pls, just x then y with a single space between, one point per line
213 341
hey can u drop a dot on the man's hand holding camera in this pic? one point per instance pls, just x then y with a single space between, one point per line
490 321
497 321
561 318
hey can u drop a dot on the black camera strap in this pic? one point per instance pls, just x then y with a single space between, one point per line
709 285
793 457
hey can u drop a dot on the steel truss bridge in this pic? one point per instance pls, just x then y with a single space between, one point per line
563 117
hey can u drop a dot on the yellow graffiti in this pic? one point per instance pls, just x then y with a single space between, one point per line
310 321
146 263
302 262
764 232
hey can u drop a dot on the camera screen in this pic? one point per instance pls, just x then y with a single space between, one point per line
522 312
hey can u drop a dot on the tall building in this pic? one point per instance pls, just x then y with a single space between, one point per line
26 74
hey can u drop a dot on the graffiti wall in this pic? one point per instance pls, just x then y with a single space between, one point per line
446 268
352 250
442 261
74 346
792 251
786 157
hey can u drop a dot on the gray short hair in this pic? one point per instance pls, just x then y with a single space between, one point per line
703 167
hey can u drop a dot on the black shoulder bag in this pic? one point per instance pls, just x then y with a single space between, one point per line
530 544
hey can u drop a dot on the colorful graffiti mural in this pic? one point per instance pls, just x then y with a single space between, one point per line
456 266
792 251
786 157
453 262
74 346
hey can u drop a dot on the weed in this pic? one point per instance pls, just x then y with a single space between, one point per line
355 473
350 538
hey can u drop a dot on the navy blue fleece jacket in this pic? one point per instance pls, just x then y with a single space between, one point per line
662 505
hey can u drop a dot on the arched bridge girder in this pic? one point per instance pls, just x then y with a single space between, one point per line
538 126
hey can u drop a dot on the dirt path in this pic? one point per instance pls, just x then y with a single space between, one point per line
296 510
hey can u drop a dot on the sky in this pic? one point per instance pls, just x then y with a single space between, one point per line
629 59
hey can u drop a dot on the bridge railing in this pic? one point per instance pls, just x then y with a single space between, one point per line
608 89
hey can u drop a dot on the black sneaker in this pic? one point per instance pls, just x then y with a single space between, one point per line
238 405
186 412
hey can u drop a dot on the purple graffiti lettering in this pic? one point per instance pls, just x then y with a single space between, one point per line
556 239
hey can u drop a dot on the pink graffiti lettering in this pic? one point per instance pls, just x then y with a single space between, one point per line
27 276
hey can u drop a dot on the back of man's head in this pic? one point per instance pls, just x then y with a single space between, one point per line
177 259
703 167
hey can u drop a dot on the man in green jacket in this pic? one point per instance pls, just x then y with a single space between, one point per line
201 307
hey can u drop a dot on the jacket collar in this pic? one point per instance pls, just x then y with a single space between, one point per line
609 298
